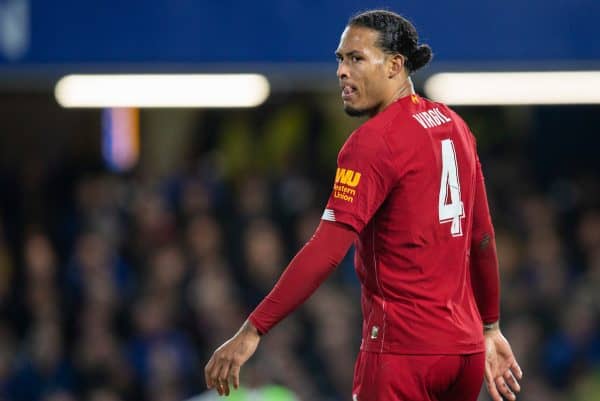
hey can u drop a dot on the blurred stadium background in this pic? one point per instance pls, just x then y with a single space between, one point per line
134 240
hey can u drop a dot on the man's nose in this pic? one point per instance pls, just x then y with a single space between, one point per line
342 70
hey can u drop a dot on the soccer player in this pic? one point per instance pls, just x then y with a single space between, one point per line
410 194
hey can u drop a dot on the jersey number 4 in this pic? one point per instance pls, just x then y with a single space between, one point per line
450 204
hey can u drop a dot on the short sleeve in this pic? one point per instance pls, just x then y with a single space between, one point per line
363 179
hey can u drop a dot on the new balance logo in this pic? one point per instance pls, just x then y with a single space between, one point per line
328 215
347 177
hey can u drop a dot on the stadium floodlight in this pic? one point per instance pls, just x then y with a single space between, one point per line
515 88
162 90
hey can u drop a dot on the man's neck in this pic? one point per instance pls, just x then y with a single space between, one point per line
404 90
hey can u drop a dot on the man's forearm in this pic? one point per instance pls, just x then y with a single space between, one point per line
309 268
485 279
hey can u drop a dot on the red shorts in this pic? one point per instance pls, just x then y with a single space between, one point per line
393 377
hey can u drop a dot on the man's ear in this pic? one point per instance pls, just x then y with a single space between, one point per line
395 64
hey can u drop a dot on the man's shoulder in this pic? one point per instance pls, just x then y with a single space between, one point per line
447 110
377 130
367 136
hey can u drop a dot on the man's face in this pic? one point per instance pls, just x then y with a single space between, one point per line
361 71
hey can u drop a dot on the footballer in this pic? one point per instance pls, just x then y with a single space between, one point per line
410 195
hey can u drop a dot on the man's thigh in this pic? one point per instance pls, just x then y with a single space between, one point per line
392 377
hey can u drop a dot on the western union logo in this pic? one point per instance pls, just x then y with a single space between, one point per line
347 177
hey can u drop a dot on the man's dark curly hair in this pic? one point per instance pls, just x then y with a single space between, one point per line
396 36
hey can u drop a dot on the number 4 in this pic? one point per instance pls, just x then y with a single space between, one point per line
450 207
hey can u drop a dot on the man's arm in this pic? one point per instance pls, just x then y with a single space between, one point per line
501 367
485 278
309 268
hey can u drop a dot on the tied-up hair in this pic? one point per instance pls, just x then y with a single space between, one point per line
396 36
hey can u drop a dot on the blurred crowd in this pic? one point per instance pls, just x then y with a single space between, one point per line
118 287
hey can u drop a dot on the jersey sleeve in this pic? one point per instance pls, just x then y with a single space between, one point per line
309 268
485 278
364 177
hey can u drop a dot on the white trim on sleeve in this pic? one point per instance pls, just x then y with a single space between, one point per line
328 215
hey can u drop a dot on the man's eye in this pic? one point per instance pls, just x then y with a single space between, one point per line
356 59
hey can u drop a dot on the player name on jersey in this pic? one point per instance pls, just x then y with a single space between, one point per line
431 118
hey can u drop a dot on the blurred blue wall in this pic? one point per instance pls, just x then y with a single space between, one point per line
235 31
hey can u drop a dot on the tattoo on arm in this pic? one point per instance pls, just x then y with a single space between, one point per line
485 242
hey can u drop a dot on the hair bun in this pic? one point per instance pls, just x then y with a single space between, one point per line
420 57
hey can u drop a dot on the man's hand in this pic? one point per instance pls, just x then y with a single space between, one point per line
224 366
501 367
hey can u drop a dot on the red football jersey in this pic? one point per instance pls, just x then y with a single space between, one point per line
406 182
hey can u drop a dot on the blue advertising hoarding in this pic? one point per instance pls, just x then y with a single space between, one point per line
230 32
